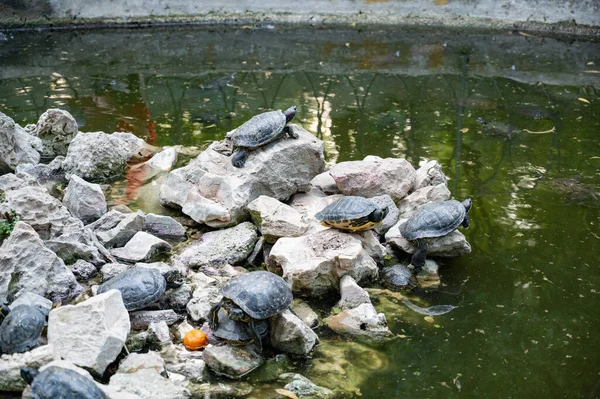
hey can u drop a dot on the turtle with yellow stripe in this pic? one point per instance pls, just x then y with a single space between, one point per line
352 213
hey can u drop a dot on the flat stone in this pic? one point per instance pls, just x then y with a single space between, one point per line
141 319
142 247
290 334
326 183
232 361
119 235
276 219
149 384
84 200
163 226
107 221
362 323
193 369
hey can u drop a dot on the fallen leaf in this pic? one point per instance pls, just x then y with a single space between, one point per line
518 235
353 24
464 130
428 319
401 336
583 100
336 310
286 393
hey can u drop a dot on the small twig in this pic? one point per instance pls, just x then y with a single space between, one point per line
544 132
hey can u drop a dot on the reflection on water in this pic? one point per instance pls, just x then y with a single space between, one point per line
525 325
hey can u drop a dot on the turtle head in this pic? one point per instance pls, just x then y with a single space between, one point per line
378 215
174 278
467 204
481 120
28 374
290 113
235 313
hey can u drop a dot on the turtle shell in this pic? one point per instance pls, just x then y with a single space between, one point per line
260 294
237 332
348 213
139 287
435 219
59 383
259 130
21 329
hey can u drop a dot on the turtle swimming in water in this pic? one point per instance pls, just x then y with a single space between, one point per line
60 383
261 130
352 213
499 129
432 220
250 298
21 328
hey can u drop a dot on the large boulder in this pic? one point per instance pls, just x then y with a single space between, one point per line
212 191
276 219
27 265
56 128
164 227
92 333
16 145
314 263
96 156
84 200
375 176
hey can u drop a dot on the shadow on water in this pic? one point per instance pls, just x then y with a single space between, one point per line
527 321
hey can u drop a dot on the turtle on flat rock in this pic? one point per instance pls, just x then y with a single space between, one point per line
21 328
352 213
60 383
250 298
261 130
432 220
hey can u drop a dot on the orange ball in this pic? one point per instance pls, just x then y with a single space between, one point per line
194 340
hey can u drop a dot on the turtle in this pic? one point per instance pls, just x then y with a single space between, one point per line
236 332
251 297
141 286
352 213
260 130
398 278
21 328
499 129
432 220
59 383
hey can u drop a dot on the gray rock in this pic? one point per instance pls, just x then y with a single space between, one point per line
374 176
352 294
135 146
398 278
159 163
110 270
391 218
256 256
304 388
362 323
305 312
163 226
119 235
421 197
232 361
29 298
82 270
430 174
84 200
27 265
228 246
313 264
43 173
56 128
159 332
10 366
178 298
193 369
142 247
78 242
15 145
90 334
139 361
212 191
141 319
290 334
428 277
11 181
108 221
276 219
202 301
96 156
325 182
237 389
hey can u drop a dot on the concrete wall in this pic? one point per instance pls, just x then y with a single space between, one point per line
565 15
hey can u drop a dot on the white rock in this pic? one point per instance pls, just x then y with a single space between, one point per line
84 200
362 323
138 361
56 128
290 334
123 231
92 333
159 163
10 366
276 219
16 147
325 183
149 384
430 174
305 312
142 247
421 197
352 294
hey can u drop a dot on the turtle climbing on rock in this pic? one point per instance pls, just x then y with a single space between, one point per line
21 328
434 220
352 213
60 383
261 130
250 298
237 332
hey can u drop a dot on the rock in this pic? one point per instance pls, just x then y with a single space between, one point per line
110 270
96 157
178 298
10 181
82 270
371 244
78 242
275 219
161 162
305 312
214 192
52 172
27 265
421 197
10 366
142 247
352 294
428 277
290 334
228 246
119 235
374 176
108 221
56 128
272 368
304 388
136 147
29 298
257 255
141 319
141 361
90 334
430 174
398 278
313 264
237 389
308 204
202 301
15 145
144 380
362 323
232 361
193 369
84 200
391 218
159 331
326 183
163 226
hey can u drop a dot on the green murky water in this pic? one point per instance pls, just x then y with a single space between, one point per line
527 322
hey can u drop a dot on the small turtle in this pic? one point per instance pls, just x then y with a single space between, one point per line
251 297
499 129
141 286
261 130
237 332
60 383
21 328
398 278
352 214
433 220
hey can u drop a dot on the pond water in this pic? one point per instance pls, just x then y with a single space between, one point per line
528 295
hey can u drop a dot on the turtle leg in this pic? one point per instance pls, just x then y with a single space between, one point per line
4 311
290 132
239 158
213 315
256 335
418 258
466 222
